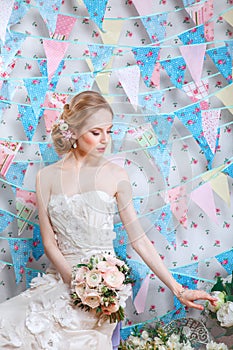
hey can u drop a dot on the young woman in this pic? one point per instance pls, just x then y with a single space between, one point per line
76 200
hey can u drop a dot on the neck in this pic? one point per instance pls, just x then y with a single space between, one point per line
86 160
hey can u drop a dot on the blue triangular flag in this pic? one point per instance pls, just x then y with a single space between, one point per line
193 36
17 14
222 60
175 68
16 173
226 260
146 58
83 81
5 220
151 102
13 42
162 125
37 245
100 55
20 251
49 12
229 170
155 26
29 120
96 9
48 153
162 158
37 88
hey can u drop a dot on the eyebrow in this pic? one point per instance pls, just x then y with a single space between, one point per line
97 128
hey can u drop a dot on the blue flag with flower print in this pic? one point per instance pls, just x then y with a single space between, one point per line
96 9
146 58
175 68
193 36
222 60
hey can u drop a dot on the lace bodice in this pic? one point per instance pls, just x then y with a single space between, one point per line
83 222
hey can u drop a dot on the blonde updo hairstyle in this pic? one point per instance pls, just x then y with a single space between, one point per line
81 107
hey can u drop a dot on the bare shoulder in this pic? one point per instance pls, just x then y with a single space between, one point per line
118 172
47 175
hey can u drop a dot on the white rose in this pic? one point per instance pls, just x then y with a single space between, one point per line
145 335
225 314
215 346
221 299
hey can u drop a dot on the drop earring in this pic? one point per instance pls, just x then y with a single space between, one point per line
74 145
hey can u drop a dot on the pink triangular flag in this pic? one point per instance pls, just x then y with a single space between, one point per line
129 78
55 51
140 299
143 7
64 26
5 13
204 198
177 198
210 121
194 58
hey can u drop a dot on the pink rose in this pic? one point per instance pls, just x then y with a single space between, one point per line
104 266
114 261
81 273
92 299
93 278
114 278
80 289
111 308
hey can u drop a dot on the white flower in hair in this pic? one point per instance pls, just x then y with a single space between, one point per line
63 126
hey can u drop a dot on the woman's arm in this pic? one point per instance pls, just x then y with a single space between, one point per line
48 237
143 246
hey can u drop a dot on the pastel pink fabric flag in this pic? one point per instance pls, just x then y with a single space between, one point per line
140 299
64 27
53 100
25 206
143 7
8 151
129 78
194 58
210 122
204 198
155 78
5 13
197 91
178 202
55 51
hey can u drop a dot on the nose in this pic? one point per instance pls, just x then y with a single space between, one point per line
104 137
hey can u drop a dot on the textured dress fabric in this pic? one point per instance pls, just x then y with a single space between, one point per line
43 316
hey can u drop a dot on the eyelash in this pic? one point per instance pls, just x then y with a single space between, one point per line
97 133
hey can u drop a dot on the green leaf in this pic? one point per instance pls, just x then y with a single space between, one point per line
218 286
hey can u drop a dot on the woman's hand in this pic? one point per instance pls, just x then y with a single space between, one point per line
188 296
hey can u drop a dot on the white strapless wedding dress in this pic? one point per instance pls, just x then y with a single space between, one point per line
43 317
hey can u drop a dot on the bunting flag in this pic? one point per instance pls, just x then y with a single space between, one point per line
229 170
18 13
210 122
25 206
5 220
225 95
48 153
55 51
162 127
42 64
16 173
228 16
118 133
191 118
155 78
155 26
190 270
197 91
96 10
161 158
193 36
100 56
49 12
164 224
229 45
146 58
36 88
220 186
145 136
202 14
141 297
29 120
64 27
145 8
6 10
151 102
222 60
121 241
194 58
226 260
129 78
37 245
178 201
8 150
13 42
7 91
102 80
188 2
20 252
83 81
138 274
203 197
112 31
175 69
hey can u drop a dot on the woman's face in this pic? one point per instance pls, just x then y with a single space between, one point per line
94 136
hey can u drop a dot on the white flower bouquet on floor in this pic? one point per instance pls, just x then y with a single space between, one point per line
103 284
223 311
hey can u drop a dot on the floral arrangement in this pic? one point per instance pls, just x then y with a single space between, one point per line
223 311
102 283
157 338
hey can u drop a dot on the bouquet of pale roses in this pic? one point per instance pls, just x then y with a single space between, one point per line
223 311
103 283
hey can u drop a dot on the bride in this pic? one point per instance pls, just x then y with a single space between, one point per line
76 200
